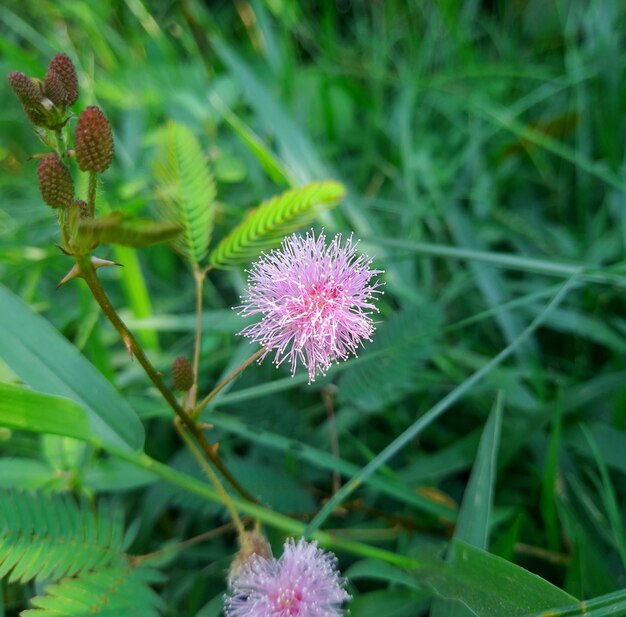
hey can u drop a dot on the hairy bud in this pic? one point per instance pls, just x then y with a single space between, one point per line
251 543
27 91
93 141
55 181
182 374
64 68
54 88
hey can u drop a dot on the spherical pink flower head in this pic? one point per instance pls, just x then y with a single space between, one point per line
315 300
304 582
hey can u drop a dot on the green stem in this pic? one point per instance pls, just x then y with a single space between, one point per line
65 234
260 513
61 145
240 369
88 273
219 487
199 276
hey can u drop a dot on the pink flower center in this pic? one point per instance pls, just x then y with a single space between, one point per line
321 296
287 602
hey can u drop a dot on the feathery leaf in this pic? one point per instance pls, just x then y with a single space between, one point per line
111 592
388 369
185 188
264 227
49 535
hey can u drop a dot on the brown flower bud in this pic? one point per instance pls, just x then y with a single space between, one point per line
182 374
93 140
54 88
64 68
252 543
27 91
55 181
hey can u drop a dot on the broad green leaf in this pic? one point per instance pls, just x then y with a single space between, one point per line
473 521
185 188
264 227
42 413
490 586
47 362
115 229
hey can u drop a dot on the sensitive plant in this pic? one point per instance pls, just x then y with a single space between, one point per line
457 153
329 325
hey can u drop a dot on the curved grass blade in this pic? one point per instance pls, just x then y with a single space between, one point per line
473 520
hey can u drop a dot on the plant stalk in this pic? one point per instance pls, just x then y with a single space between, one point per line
219 487
235 373
198 276
88 273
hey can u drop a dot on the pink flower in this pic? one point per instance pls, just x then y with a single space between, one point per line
315 301
304 582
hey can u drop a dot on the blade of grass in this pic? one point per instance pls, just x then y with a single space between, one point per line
433 413
475 512
503 260
611 503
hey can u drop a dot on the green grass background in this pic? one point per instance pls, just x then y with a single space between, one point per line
482 144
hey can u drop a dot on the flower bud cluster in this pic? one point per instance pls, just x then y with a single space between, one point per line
45 102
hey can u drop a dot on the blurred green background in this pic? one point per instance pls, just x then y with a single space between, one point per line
482 144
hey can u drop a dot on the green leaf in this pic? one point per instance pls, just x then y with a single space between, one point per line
264 227
49 535
115 229
110 592
473 520
185 188
474 515
47 362
490 586
41 413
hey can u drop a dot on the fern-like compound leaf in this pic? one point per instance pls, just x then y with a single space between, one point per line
110 592
49 535
389 369
264 227
185 188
